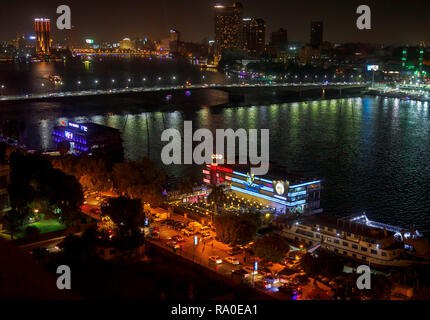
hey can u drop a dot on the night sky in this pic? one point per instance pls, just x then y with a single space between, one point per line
393 21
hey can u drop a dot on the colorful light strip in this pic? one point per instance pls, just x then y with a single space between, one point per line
305 184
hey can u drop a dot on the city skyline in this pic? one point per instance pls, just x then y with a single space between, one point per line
154 20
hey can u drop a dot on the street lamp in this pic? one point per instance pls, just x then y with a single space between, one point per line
2 87
95 84
79 83
111 86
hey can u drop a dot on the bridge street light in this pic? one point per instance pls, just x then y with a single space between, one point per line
78 84
1 89
95 84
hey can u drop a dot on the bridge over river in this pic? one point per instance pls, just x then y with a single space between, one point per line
236 92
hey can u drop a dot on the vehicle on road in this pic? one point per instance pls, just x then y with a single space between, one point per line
204 229
60 246
272 279
38 252
234 250
263 284
239 273
250 270
95 210
205 236
173 245
284 279
188 232
155 236
265 271
215 259
232 260
178 238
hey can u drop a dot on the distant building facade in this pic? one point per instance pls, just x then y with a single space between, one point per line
278 42
316 34
254 36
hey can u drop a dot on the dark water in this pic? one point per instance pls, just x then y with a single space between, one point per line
78 74
373 153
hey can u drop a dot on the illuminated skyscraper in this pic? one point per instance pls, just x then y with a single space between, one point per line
174 41
254 36
228 27
42 29
316 33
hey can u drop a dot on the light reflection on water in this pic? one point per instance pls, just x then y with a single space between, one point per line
373 153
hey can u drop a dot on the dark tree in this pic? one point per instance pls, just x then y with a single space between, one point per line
271 248
126 213
11 222
139 180
234 229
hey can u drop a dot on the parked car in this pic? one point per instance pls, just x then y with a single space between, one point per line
215 259
284 279
250 270
188 232
265 271
205 236
38 252
155 230
155 236
239 273
263 284
272 279
178 238
60 246
234 250
232 260
204 229
173 245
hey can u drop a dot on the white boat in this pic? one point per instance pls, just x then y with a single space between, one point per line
358 238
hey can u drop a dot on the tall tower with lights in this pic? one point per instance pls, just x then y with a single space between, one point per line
42 28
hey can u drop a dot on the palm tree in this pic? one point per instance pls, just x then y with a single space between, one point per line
216 196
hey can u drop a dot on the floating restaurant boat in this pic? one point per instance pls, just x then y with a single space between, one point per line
55 79
359 239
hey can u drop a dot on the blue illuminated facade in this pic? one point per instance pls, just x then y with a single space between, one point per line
86 137
286 196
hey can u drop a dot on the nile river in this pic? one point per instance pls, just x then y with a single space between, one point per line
373 153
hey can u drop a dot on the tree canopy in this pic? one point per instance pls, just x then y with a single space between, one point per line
35 184
271 248
235 229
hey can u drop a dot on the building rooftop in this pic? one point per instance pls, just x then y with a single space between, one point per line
346 226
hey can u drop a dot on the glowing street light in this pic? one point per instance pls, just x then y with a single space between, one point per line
95 84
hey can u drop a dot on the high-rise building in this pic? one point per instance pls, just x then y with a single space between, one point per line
42 29
174 41
254 36
71 39
316 33
228 27
279 42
